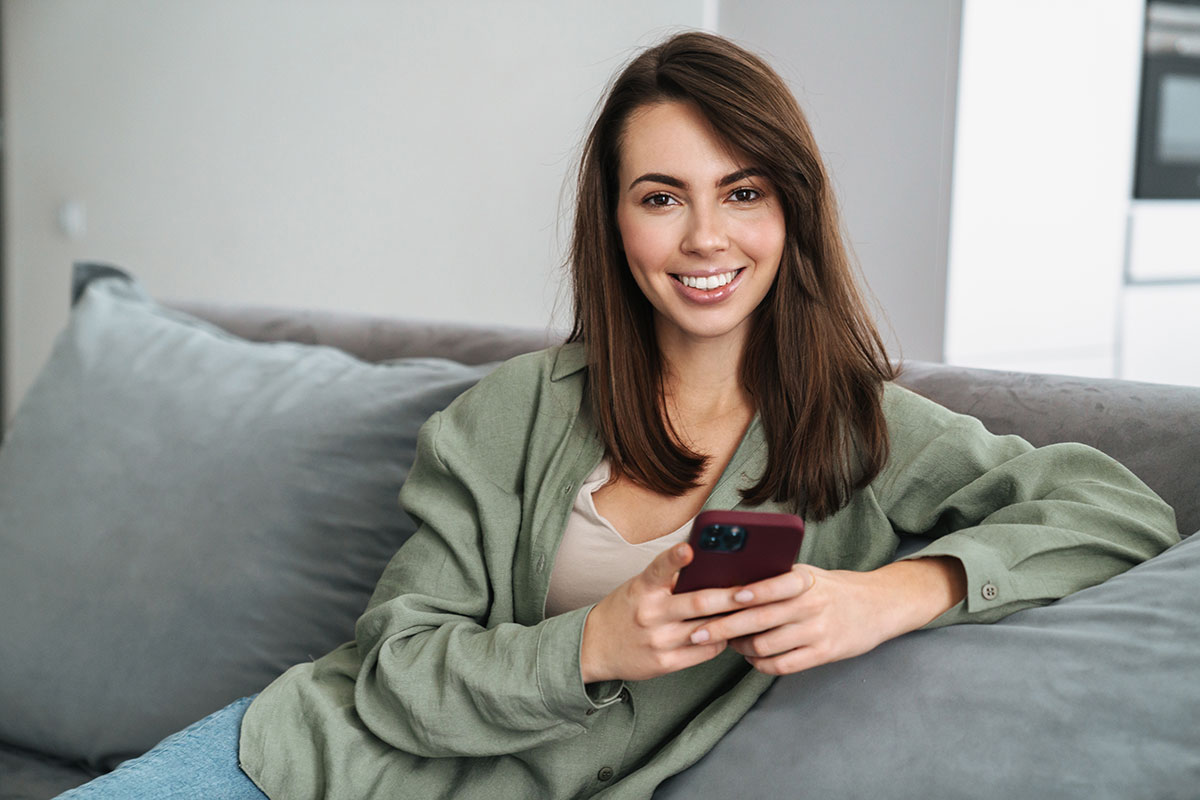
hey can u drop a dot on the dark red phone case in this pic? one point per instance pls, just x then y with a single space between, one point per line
771 545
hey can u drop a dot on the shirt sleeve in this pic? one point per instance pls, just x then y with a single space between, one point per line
439 675
1030 525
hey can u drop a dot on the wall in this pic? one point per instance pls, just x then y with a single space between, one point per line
1042 176
391 157
410 157
877 79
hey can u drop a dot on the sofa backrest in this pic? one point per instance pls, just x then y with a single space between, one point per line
1154 429
373 338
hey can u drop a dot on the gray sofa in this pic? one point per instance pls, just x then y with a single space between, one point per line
195 496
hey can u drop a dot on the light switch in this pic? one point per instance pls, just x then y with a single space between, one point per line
72 219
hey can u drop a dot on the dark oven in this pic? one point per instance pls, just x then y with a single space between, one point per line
1168 142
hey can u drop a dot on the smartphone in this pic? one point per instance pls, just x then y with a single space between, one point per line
733 548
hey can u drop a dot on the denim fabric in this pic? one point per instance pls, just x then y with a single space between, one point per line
198 763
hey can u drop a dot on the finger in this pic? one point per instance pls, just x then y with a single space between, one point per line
696 605
789 584
792 661
666 565
712 602
752 621
783 600
775 641
691 656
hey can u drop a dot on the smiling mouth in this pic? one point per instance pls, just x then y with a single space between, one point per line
708 283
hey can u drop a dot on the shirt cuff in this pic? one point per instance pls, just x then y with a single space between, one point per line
990 592
560 674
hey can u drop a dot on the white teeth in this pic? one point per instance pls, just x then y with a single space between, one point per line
711 282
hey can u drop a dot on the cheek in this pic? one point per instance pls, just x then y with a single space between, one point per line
766 239
641 242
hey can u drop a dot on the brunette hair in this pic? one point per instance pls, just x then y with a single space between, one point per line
814 364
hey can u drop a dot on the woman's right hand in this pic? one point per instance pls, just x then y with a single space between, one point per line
641 630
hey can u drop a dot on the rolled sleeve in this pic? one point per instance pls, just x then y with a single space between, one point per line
1029 525
991 594
559 673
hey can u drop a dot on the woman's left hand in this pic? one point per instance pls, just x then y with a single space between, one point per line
810 616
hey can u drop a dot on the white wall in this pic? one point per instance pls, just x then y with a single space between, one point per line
877 79
1047 113
374 155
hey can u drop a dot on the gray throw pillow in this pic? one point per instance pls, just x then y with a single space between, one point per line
185 514
1094 696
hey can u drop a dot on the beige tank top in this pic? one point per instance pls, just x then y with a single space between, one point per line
593 557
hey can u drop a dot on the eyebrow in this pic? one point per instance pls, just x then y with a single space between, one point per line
733 177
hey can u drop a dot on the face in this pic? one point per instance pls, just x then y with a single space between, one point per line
702 229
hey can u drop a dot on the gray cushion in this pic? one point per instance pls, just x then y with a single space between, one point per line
1094 696
31 776
184 514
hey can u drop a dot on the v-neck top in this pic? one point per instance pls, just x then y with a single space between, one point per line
593 557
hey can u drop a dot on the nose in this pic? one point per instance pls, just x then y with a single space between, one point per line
706 233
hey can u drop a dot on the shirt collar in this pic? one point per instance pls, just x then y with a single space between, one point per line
571 358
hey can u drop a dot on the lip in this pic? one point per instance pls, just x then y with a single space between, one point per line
706 297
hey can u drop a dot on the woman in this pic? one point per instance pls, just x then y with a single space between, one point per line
526 642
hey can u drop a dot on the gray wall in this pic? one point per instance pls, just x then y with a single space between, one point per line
877 79
373 155
410 157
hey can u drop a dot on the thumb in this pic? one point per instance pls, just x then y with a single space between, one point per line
807 575
666 565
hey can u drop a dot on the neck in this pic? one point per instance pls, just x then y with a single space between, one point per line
703 377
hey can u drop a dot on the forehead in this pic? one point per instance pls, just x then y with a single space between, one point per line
676 139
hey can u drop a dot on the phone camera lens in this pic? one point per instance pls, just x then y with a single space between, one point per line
733 537
723 538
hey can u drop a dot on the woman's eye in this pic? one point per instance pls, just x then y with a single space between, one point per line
659 199
745 195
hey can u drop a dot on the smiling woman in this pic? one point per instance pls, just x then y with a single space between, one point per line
526 641
711 168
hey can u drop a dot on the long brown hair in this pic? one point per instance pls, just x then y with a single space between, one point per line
814 364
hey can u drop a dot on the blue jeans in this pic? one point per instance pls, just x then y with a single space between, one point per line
198 763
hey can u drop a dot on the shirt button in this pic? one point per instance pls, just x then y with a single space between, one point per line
990 592
605 774
541 563
590 711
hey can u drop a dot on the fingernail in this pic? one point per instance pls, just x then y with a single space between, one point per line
700 637
744 596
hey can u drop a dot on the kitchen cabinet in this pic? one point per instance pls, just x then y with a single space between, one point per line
1160 333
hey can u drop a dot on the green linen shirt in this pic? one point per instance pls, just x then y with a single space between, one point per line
457 685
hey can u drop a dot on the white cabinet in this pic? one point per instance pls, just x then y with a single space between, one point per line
1164 240
1160 334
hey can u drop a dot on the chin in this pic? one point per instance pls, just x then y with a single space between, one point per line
711 330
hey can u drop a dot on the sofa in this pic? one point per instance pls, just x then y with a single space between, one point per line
194 496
